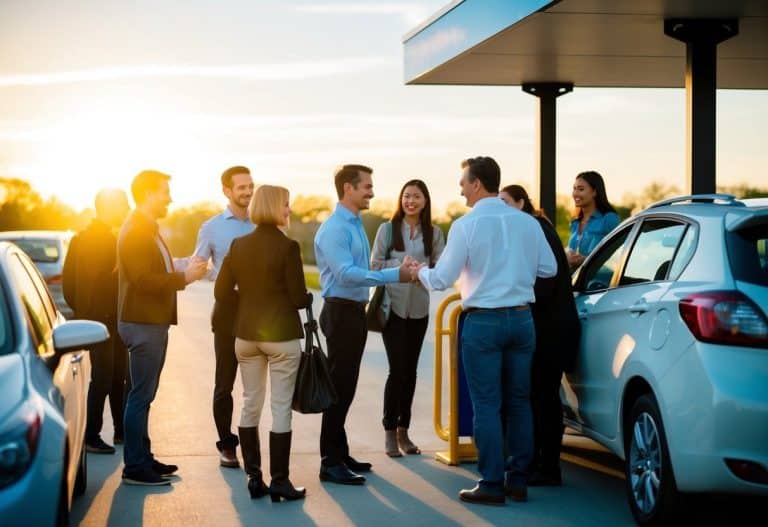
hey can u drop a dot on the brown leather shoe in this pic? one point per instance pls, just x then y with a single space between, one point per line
517 493
228 458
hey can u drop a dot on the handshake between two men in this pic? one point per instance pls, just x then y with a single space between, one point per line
409 269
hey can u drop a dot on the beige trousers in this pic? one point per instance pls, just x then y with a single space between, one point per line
283 359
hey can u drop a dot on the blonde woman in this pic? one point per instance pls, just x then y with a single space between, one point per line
264 271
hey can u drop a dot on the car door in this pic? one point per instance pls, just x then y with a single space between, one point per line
70 378
585 394
628 320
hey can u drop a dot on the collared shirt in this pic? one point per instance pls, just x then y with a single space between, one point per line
406 300
497 252
216 236
342 254
598 225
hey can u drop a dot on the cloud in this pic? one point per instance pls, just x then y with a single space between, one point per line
254 72
412 13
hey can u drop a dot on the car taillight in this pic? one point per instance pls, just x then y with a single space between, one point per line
19 439
54 279
725 317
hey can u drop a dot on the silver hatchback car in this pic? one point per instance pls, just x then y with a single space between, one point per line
673 370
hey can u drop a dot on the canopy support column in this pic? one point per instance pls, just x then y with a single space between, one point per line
701 37
547 92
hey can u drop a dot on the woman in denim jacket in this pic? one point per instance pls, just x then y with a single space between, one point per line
409 233
596 217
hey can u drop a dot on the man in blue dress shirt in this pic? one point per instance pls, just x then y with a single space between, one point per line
342 252
497 252
213 243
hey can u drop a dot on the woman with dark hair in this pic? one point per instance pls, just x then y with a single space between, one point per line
410 232
595 218
558 332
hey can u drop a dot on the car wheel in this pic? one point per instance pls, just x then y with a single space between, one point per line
81 480
651 487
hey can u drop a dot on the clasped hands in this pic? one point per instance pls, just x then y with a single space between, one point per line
409 269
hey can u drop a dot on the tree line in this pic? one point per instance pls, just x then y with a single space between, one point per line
23 208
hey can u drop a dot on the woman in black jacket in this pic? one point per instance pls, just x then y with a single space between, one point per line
264 275
558 332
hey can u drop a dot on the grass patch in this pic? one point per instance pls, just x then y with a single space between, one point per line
312 279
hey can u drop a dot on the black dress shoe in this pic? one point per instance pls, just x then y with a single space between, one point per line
482 496
163 469
357 466
340 474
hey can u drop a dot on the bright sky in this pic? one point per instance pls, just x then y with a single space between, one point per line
91 92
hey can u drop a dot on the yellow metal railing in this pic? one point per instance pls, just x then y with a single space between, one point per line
457 452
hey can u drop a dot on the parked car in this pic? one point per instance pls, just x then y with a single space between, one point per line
673 369
44 376
47 249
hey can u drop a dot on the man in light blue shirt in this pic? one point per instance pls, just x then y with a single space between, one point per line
497 252
342 252
213 243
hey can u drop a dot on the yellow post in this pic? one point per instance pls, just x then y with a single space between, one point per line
457 452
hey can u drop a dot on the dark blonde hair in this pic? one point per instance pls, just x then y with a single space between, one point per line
267 205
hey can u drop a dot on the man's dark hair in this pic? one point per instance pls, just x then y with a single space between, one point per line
349 174
486 169
226 176
145 183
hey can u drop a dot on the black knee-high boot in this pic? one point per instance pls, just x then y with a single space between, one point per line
279 459
251 449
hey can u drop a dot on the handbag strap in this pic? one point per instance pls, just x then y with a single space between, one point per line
310 332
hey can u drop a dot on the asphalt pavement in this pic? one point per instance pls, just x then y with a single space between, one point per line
412 490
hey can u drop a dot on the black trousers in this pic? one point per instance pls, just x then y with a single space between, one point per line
345 334
403 338
108 377
224 381
547 410
121 384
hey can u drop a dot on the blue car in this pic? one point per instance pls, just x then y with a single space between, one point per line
44 376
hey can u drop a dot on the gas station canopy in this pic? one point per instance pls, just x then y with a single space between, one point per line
590 43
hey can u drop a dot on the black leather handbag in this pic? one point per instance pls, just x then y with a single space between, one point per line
314 391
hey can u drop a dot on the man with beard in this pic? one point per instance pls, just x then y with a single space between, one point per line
147 285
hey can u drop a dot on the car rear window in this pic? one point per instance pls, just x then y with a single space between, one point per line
40 250
748 254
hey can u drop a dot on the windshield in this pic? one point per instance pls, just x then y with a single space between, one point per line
40 250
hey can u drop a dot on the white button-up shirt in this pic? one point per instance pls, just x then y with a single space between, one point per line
496 251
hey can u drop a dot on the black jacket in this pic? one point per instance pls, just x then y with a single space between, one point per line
265 267
90 273
558 330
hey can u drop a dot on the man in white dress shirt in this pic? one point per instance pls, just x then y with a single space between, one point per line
497 252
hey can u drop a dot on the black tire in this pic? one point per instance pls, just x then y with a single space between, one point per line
650 482
81 480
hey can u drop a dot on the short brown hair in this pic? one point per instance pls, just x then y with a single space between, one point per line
146 182
349 174
228 174
267 205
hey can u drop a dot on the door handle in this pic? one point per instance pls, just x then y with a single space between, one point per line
639 308
583 313
77 358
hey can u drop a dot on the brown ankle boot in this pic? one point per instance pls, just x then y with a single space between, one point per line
406 445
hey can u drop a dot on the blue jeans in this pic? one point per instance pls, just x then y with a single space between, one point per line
497 350
147 344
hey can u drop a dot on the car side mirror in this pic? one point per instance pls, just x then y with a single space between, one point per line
76 335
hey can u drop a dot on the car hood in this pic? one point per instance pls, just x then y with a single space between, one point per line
12 381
